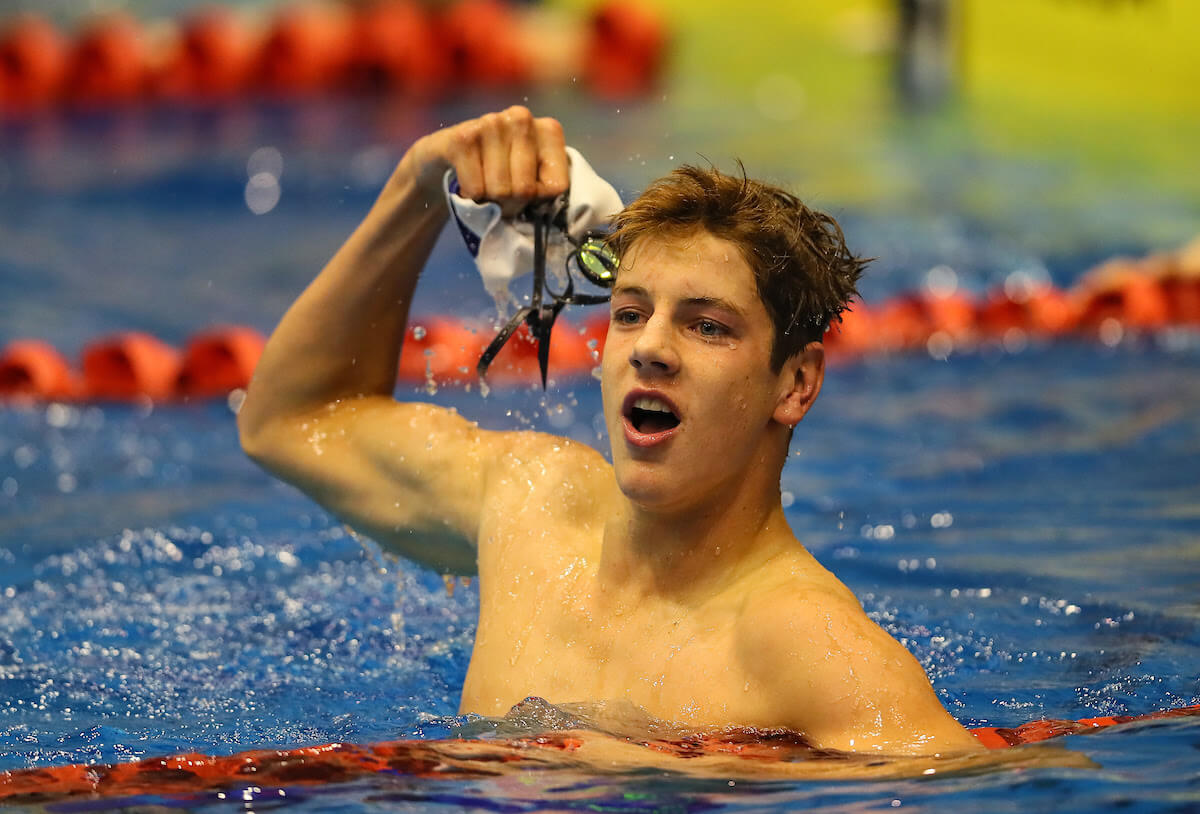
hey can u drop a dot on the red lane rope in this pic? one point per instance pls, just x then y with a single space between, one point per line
1001 738
408 46
457 759
1118 298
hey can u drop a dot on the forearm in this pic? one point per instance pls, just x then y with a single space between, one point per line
341 338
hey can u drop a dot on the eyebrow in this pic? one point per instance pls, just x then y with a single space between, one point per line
694 302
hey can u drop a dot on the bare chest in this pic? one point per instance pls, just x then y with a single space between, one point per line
551 635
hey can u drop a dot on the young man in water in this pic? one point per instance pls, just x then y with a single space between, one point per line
669 579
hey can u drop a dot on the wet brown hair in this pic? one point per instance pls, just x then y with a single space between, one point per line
805 274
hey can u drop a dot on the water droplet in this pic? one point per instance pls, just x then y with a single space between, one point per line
941 281
1111 332
235 400
262 193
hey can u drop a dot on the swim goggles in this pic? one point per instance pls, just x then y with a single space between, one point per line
590 257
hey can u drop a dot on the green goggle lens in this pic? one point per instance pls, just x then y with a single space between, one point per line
597 262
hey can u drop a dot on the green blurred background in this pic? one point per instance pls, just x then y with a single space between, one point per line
1054 105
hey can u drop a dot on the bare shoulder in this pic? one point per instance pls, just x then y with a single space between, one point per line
544 508
564 478
554 451
803 614
830 671
797 593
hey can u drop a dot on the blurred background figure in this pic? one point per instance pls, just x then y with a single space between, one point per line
926 56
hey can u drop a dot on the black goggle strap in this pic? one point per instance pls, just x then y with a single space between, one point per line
594 260
493 348
540 318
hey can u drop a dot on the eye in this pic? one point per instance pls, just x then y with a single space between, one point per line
626 317
708 328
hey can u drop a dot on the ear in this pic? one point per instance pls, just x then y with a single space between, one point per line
800 382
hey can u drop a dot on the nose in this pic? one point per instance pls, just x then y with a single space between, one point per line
653 352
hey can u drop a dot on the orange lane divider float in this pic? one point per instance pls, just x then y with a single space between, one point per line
421 48
1120 296
446 351
1115 299
32 368
456 759
34 59
132 366
396 49
218 361
212 59
1035 731
625 50
136 366
484 45
306 49
107 65
129 366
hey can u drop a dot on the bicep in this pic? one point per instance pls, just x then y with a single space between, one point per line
412 476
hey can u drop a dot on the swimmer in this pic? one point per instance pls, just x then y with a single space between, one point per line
669 580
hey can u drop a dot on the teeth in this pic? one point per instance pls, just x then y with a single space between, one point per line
645 403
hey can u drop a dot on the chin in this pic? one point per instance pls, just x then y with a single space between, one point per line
648 489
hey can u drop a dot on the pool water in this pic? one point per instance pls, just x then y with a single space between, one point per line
1027 524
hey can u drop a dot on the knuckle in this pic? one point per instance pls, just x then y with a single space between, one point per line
467 133
553 176
548 126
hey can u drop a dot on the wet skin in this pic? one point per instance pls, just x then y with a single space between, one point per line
687 325
669 579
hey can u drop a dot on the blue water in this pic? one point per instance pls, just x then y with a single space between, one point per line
1027 524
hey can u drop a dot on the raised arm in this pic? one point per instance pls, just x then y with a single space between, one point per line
319 411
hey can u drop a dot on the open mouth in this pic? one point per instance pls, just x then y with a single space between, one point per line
649 415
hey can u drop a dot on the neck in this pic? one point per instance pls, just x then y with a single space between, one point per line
691 554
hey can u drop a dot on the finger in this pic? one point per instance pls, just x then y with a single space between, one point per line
553 169
523 157
497 175
465 156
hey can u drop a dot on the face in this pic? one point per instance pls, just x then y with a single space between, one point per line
690 401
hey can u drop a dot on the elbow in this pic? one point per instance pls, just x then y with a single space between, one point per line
274 442
254 435
251 439
268 448
256 418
